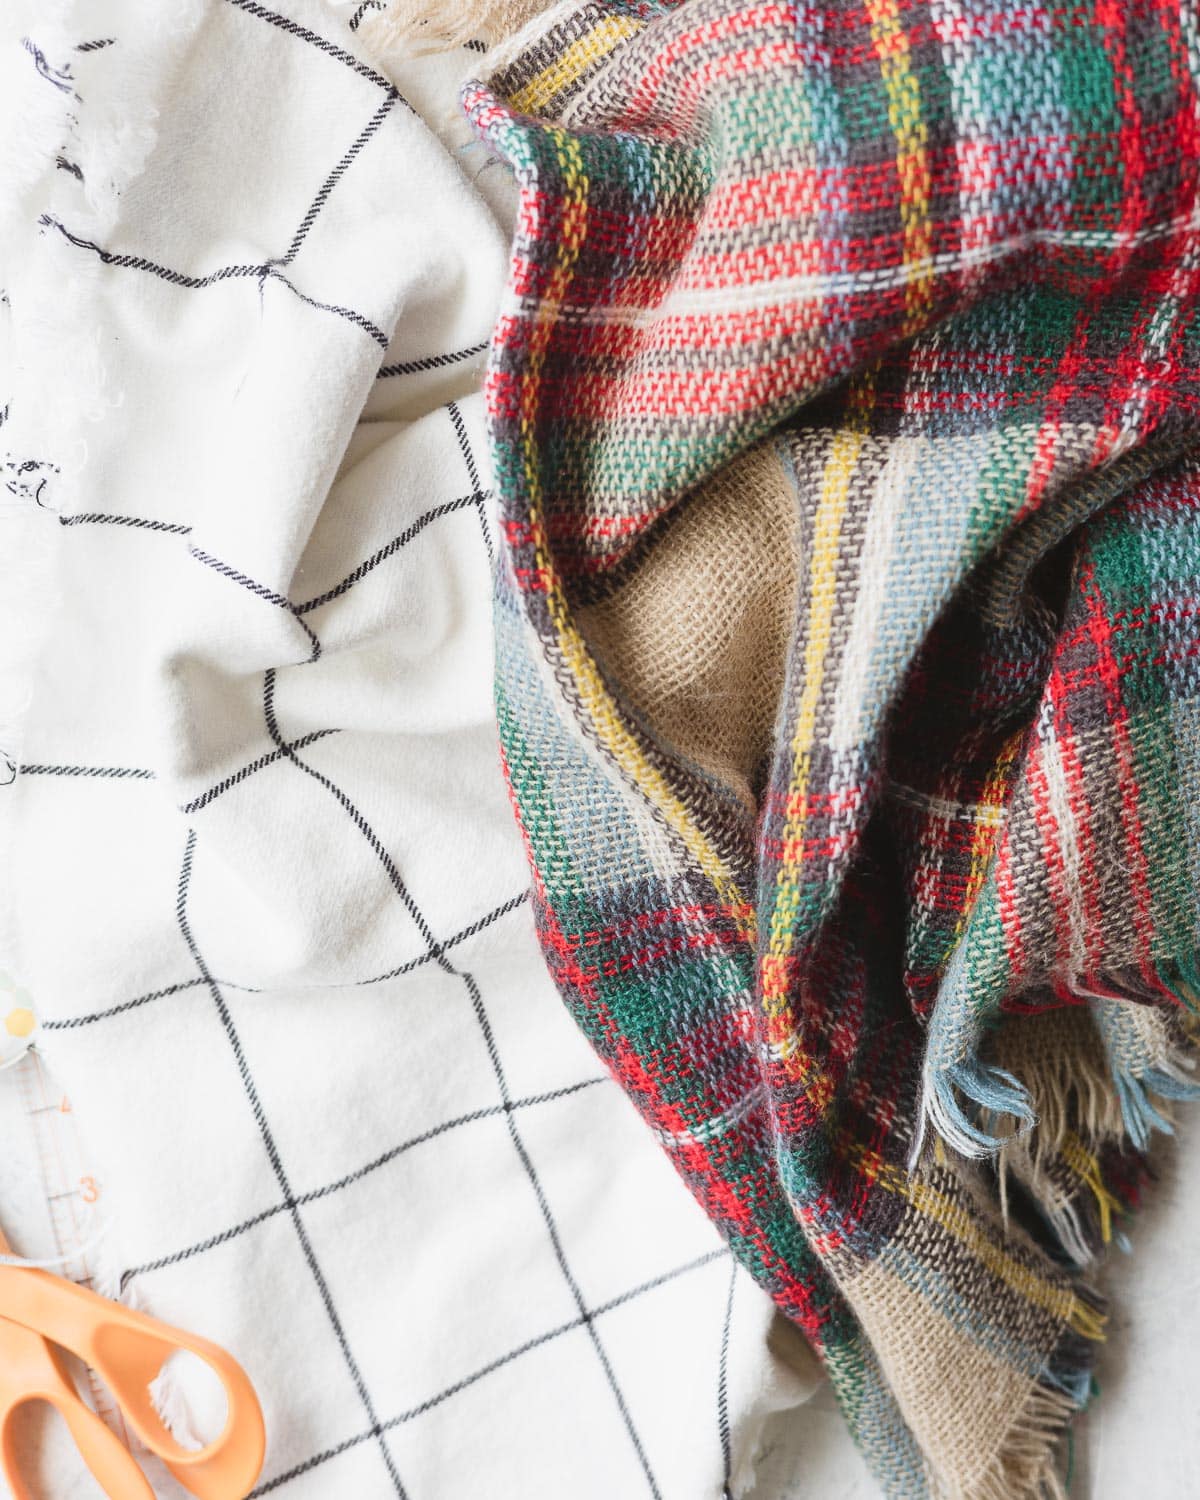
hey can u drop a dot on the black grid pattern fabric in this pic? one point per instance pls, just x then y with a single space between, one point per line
272 909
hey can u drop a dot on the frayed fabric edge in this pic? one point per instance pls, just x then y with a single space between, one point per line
963 1100
1026 1466
993 1091
981 1111
101 129
1027 1463
77 125
412 28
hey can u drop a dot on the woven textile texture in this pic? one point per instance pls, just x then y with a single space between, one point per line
883 911
259 881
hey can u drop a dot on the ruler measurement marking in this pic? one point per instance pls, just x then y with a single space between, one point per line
67 1226
59 1144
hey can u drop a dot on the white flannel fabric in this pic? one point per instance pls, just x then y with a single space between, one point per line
261 884
269 905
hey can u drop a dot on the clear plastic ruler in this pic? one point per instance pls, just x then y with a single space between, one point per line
50 1198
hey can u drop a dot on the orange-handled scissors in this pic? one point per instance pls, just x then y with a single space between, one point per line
41 1315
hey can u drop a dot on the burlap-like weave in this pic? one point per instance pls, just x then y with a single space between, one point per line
842 409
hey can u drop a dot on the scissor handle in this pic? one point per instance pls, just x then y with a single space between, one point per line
127 1349
32 1370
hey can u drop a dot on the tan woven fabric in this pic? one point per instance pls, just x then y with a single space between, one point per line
697 631
435 25
859 228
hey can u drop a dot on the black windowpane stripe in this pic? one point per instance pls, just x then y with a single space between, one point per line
322 44
538 1341
431 362
112 773
201 1247
464 446
280 601
397 544
357 17
259 271
218 789
345 161
723 1391
276 1162
347 313
72 1023
431 955
468 454
140 523
141 263
143 773
482 1020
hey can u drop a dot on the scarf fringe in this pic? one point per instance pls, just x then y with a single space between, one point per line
1025 1467
412 28
964 1101
1074 1095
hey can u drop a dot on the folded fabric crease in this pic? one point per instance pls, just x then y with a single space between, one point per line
880 901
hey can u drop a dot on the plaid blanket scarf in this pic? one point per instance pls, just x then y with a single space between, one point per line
843 408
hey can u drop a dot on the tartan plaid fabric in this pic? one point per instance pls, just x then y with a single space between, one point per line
933 264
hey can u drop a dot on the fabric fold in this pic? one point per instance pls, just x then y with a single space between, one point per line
932 269
260 889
